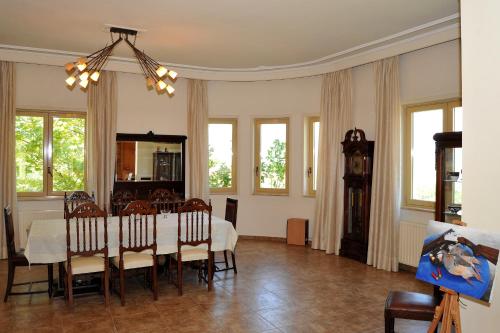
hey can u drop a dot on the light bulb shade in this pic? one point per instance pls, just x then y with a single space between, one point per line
84 83
70 81
81 67
84 76
69 67
161 71
95 76
161 85
170 89
150 82
172 74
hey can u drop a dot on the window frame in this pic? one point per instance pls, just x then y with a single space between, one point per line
309 161
48 116
447 106
234 162
256 167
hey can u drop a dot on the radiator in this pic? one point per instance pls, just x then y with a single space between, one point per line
27 216
411 239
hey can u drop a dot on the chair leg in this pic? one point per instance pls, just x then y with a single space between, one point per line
50 273
233 258
122 285
389 323
179 275
225 259
10 281
69 285
106 284
154 280
210 269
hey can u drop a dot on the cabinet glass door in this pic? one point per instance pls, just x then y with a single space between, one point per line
452 186
355 213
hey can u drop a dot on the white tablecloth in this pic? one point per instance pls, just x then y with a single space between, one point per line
47 238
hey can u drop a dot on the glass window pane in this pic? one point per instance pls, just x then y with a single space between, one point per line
220 155
457 119
424 125
68 154
273 156
315 148
29 154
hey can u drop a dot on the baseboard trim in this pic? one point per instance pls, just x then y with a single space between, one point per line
263 238
407 268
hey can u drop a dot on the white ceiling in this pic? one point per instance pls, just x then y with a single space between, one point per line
217 33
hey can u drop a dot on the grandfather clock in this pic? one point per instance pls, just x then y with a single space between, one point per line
358 154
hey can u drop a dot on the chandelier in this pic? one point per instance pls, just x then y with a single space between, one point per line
89 68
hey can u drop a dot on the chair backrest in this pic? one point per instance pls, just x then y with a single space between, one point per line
191 224
85 220
231 211
76 199
9 232
119 199
138 227
165 200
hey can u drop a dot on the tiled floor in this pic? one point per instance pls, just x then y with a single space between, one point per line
278 289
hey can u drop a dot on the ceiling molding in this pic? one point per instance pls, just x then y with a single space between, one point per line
431 33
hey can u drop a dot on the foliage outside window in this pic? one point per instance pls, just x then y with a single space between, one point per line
271 156
422 122
50 152
222 147
312 146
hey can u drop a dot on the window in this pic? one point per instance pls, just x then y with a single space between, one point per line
222 147
422 122
271 156
50 152
312 146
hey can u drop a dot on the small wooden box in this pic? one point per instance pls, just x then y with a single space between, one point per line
297 231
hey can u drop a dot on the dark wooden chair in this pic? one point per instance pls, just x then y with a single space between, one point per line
75 199
17 259
231 216
87 246
119 200
165 200
409 305
193 232
137 243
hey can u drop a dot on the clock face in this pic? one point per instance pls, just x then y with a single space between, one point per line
357 164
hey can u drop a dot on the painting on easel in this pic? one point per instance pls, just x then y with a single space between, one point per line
460 258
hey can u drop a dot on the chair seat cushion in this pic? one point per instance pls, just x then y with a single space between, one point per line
193 254
85 265
133 260
411 305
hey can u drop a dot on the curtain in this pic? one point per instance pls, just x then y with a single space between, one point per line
197 128
335 120
384 212
8 195
101 137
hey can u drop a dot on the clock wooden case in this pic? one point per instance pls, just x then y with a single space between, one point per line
358 154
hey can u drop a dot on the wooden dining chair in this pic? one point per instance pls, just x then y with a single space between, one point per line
164 200
86 246
193 232
75 199
137 243
17 259
120 199
231 216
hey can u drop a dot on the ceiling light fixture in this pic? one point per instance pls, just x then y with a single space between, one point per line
91 66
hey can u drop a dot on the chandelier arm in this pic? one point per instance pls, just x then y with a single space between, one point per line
101 55
104 58
144 66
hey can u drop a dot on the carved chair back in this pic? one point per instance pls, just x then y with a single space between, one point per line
75 199
119 200
231 211
88 224
138 227
9 232
194 224
165 200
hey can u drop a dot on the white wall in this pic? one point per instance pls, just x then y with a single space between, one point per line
481 82
427 74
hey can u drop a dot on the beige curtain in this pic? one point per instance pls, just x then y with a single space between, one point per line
384 213
8 195
101 137
197 123
336 120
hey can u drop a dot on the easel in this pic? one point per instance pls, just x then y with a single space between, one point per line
449 309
